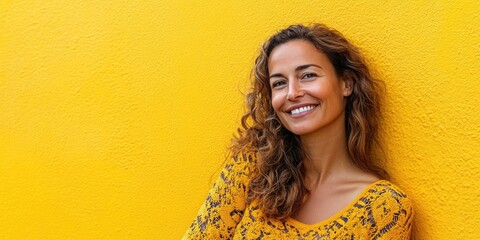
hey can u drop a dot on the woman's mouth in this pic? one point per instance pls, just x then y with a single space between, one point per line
300 110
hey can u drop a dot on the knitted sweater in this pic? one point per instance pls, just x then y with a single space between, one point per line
381 211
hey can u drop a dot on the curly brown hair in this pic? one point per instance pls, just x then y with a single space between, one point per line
278 181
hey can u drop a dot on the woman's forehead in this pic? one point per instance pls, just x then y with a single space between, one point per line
290 55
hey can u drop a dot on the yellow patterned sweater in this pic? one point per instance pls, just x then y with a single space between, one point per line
381 211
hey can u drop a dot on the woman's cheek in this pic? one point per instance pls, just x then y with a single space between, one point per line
277 101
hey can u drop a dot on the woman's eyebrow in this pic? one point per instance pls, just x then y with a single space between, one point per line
275 75
299 68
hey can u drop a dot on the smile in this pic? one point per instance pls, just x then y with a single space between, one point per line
302 109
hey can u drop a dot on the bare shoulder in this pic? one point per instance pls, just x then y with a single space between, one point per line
378 193
357 183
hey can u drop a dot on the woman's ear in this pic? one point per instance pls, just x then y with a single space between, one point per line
348 86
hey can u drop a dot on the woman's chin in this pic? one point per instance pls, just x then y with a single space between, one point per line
299 131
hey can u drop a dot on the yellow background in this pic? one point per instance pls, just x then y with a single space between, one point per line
114 115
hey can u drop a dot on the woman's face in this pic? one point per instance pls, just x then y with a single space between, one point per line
307 95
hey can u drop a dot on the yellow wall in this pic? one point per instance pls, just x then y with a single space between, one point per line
115 114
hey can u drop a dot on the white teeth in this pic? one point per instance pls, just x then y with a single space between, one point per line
302 109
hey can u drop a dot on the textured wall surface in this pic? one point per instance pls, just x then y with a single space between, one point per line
115 115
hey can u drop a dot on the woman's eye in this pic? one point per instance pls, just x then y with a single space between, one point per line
278 84
309 75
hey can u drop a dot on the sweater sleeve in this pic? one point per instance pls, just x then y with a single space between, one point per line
394 213
225 203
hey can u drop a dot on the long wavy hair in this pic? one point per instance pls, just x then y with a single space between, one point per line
277 182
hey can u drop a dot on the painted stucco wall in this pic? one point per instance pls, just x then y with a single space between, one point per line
114 115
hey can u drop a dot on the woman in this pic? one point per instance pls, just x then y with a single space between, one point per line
303 166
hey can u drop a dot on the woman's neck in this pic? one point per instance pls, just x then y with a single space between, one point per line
327 155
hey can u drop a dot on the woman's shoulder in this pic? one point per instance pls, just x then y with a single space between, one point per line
246 157
385 198
240 164
384 189
389 210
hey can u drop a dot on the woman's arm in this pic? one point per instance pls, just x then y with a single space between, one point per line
225 203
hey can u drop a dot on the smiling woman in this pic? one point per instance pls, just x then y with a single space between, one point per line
307 95
302 165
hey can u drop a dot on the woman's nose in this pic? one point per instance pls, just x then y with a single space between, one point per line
294 91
